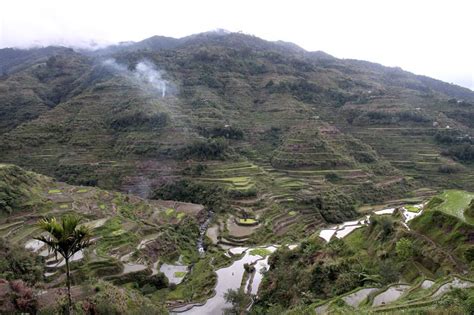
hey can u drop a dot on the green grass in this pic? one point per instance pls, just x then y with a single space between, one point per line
412 208
260 252
54 191
247 221
63 206
199 285
292 213
102 206
169 212
118 232
180 215
454 203
180 274
356 240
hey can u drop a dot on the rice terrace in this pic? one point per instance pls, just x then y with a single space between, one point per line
224 173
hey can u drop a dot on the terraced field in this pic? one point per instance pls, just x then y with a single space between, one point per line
454 202
129 233
421 296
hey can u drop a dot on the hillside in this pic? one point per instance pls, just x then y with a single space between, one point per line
220 161
385 266
284 131
134 240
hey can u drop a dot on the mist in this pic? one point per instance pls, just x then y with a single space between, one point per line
428 38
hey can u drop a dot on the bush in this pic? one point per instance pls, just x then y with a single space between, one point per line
404 249
332 177
449 168
140 121
16 263
463 152
434 202
227 132
212 196
142 279
469 254
249 268
334 206
469 211
210 149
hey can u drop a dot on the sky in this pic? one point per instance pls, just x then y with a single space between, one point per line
432 38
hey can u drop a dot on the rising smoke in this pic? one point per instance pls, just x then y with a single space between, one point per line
145 74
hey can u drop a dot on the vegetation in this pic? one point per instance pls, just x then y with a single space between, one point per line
263 252
247 221
238 300
210 195
213 149
18 190
257 130
453 202
65 238
16 263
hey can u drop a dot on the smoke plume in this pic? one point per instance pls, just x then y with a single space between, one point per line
145 74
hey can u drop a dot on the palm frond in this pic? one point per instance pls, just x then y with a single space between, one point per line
65 237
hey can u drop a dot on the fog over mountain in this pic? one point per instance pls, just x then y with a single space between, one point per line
424 38
307 157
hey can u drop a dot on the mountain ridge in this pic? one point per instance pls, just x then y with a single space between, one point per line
273 120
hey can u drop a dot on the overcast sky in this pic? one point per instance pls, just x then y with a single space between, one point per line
433 38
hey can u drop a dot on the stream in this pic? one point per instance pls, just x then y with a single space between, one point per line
202 233
230 278
345 228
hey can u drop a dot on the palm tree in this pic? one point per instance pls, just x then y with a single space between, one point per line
65 238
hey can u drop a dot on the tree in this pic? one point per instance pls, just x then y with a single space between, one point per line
239 301
404 249
65 238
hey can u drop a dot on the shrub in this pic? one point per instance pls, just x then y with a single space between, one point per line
227 132
449 168
18 263
469 254
249 268
142 279
463 152
404 249
434 202
212 196
140 121
210 149
469 211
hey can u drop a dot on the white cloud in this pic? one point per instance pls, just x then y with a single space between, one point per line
426 37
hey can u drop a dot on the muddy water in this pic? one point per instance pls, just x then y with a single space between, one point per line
427 284
171 270
34 245
132 267
456 283
345 228
230 278
355 298
390 295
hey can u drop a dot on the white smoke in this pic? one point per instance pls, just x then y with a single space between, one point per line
145 74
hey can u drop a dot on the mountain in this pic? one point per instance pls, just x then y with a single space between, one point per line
274 141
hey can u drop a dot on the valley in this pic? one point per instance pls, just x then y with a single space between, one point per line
300 182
